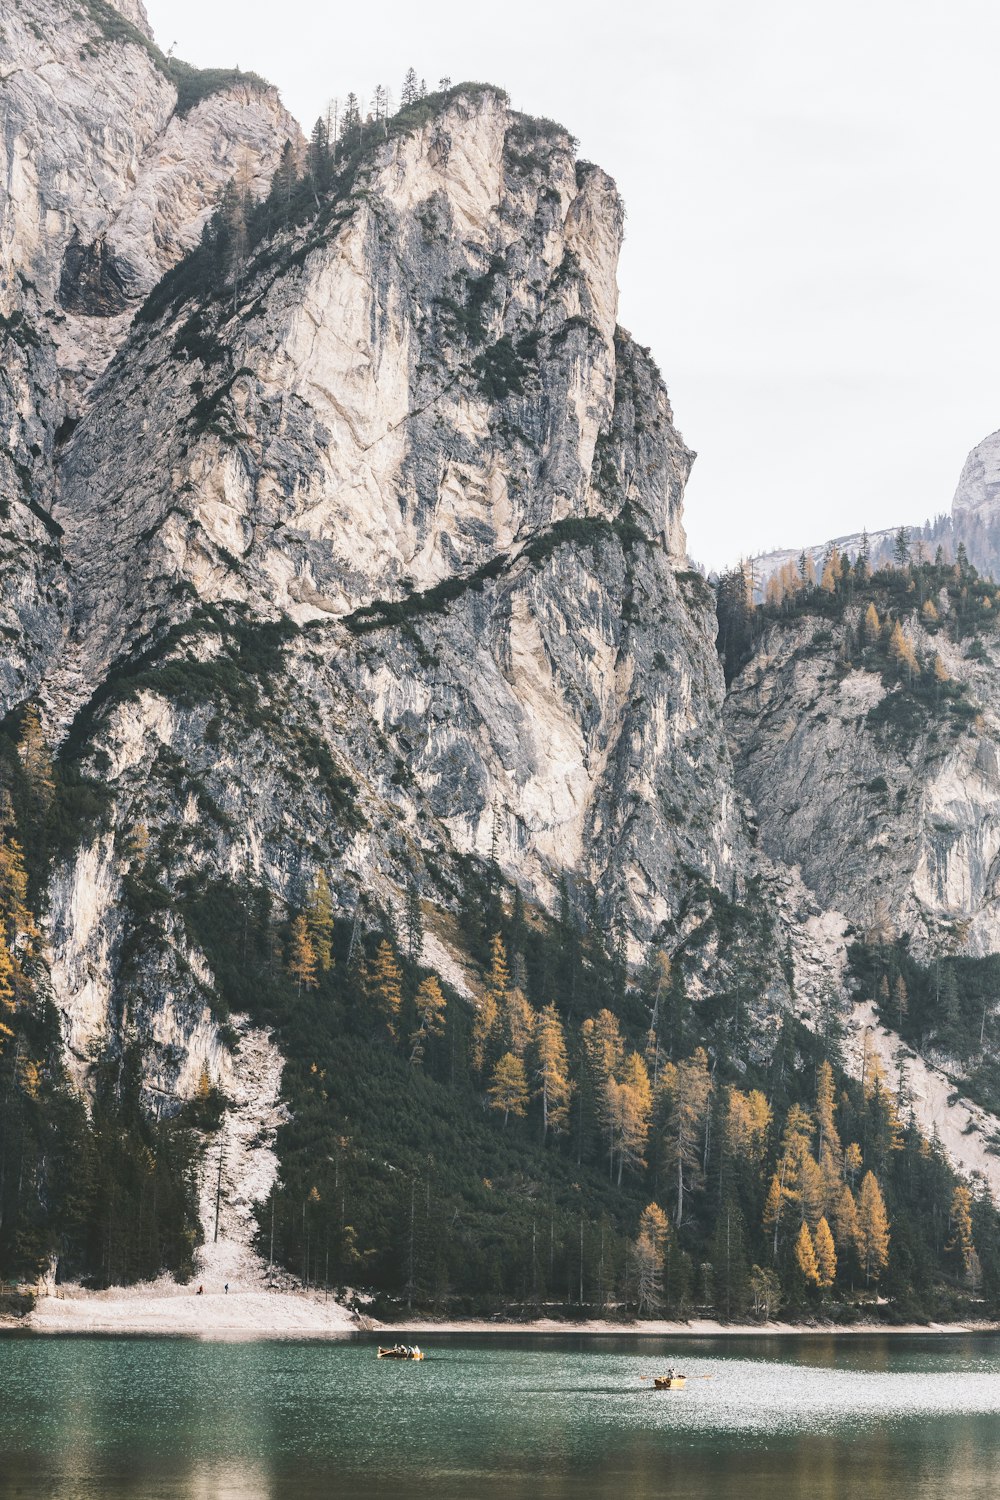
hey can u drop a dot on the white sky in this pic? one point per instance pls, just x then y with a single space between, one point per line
813 214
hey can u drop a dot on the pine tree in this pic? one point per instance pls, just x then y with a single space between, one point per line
386 984
302 960
805 1257
826 1255
413 926
285 179
554 1088
901 547
901 998
873 1223
430 1006
508 1088
410 88
319 157
350 122
319 920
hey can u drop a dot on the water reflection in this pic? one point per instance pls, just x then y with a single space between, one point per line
183 1420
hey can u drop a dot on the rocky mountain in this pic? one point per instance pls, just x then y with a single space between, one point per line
113 158
350 634
973 522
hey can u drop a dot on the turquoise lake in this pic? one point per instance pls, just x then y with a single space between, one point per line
82 1418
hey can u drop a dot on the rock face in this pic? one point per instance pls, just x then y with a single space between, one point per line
404 464
868 808
975 509
108 175
418 440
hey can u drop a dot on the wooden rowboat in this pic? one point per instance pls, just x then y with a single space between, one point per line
670 1382
401 1351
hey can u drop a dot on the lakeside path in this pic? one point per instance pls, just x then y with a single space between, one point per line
163 1307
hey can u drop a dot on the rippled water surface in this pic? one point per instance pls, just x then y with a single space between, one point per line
885 1417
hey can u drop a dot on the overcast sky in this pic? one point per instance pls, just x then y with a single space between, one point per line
812 195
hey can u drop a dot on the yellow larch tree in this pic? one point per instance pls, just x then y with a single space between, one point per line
748 1123
8 996
649 1252
873 1223
826 1103
137 848
302 955
901 998
633 1108
774 1207
430 1006
812 1186
826 1254
852 1161
929 614
805 1257
902 652
604 1050
551 1070
319 917
17 926
872 625
35 757
492 1004
961 1229
508 1088
386 986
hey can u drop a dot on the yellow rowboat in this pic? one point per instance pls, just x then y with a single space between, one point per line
401 1351
672 1382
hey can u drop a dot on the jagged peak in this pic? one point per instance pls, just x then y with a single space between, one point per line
134 11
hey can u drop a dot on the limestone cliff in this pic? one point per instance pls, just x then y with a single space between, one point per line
873 797
112 157
417 450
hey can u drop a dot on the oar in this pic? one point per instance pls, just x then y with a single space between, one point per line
682 1377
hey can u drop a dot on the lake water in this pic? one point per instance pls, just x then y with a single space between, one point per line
901 1418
